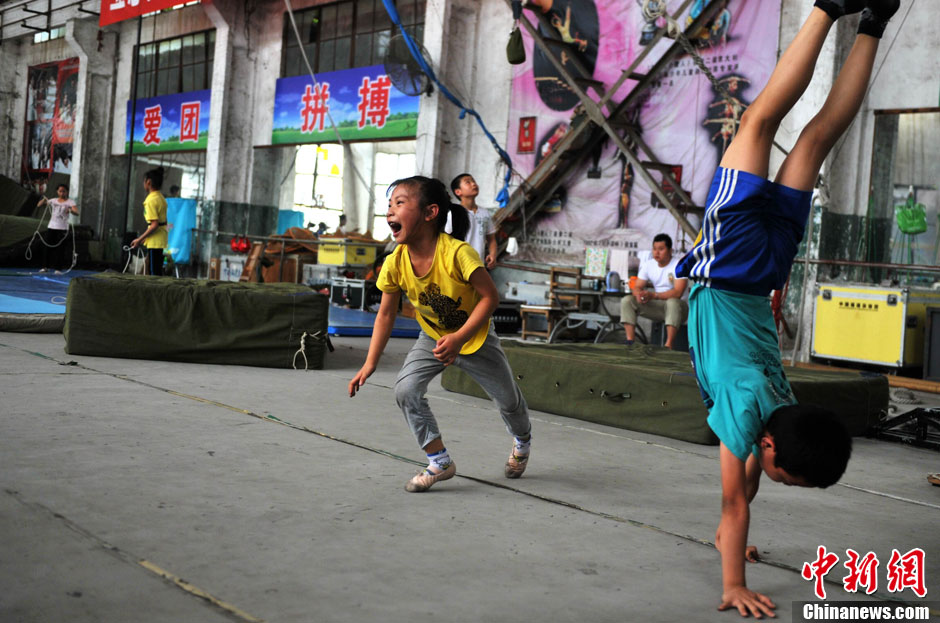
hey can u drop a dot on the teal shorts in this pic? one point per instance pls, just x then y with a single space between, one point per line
733 345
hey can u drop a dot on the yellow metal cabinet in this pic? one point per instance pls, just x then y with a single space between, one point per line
871 324
345 252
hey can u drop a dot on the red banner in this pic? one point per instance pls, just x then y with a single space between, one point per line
119 10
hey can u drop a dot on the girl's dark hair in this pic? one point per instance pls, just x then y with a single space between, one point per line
430 191
156 178
65 186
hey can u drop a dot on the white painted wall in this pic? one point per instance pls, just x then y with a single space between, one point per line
907 75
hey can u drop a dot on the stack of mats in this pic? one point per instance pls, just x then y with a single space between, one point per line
34 302
653 390
221 322
19 218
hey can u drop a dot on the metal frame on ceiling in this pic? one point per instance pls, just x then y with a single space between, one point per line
17 17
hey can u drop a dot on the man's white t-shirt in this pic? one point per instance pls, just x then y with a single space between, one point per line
662 278
60 213
481 225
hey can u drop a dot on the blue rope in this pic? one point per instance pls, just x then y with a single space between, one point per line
502 198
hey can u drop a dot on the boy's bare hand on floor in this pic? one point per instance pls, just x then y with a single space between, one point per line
747 602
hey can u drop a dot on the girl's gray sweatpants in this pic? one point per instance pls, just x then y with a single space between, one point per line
488 367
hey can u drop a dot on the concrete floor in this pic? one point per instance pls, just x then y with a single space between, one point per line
152 491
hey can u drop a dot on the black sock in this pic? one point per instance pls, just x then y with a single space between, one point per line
874 20
832 9
837 8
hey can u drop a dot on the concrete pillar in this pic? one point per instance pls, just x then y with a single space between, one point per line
466 41
96 50
12 105
223 15
431 138
356 196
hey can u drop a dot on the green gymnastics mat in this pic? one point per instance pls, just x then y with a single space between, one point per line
653 390
221 322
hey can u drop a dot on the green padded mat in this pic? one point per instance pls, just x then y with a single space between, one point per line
250 324
653 390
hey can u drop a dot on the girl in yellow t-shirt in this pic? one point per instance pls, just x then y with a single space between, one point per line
454 297
154 237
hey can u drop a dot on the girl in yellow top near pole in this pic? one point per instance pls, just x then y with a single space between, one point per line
154 237
454 297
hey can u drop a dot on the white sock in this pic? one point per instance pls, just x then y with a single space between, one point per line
522 447
439 461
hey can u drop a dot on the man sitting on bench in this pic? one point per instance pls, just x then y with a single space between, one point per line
665 302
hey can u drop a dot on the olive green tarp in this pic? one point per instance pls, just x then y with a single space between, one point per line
221 322
14 229
653 390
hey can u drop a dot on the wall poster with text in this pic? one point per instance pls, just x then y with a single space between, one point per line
51 95
686 123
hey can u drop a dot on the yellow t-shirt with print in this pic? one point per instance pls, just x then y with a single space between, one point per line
155 210
443 298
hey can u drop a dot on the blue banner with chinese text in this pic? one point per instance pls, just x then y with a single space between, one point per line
170 122
361 101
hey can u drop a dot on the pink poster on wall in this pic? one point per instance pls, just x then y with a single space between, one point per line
683 119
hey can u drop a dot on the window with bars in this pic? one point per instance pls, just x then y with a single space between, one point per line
318 185
352 33
177 65
49 35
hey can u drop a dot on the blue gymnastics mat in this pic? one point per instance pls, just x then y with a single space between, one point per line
33 301
358 323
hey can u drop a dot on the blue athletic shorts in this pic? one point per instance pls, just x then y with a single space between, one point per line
733 345
750 234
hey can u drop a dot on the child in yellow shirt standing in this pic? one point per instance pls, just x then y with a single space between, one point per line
154 237
454 297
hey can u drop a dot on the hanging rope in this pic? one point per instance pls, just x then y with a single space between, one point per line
502 198
140 259
303 53
318 336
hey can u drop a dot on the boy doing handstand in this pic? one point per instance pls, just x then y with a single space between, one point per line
749 238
